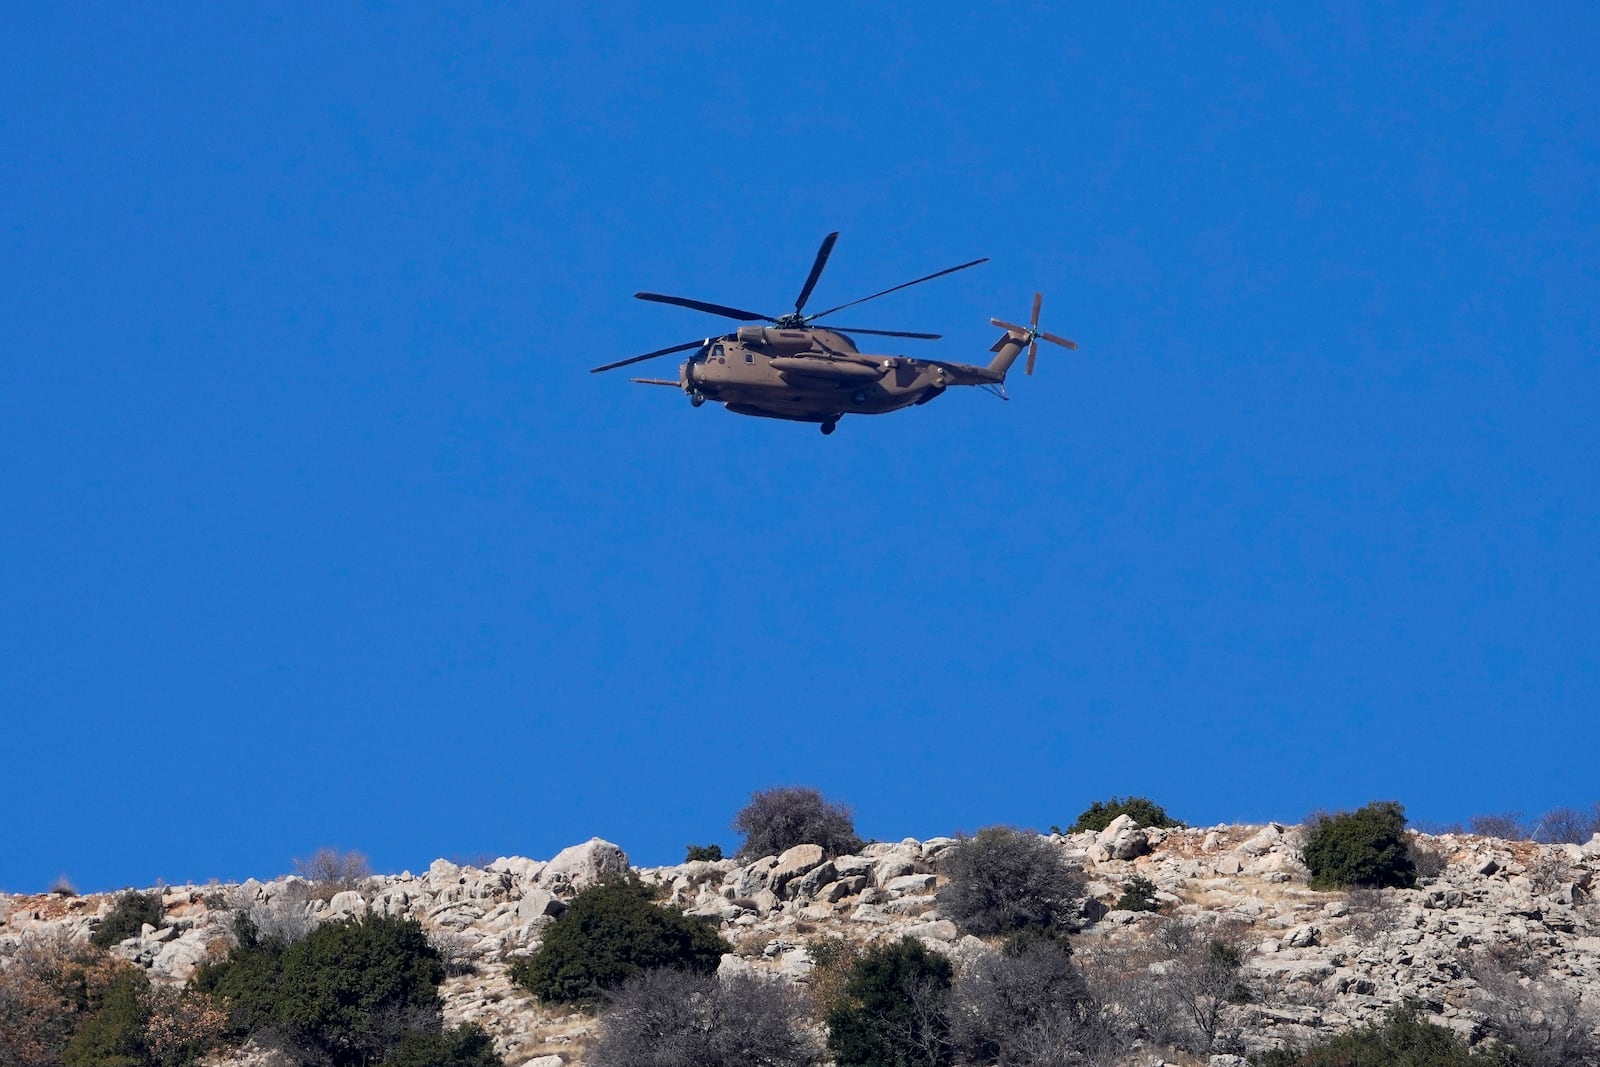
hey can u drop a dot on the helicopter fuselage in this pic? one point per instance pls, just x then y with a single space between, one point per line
814 375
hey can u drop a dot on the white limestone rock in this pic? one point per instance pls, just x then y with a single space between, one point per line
583 865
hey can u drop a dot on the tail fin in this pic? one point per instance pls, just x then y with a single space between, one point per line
1010 345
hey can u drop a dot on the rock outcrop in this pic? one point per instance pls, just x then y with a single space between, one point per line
1320 962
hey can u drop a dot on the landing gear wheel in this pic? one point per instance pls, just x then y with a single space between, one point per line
697 398
829 426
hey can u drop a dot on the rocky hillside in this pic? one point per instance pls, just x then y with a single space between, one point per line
1316 963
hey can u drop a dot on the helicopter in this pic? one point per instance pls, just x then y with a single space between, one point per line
794 370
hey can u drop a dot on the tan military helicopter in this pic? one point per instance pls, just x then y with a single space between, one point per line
794 370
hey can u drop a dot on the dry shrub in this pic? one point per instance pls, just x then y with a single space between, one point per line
833 961
1174 988
331 871
1530 1008
182 1024
1549 873
1373 913
42 996
669 1018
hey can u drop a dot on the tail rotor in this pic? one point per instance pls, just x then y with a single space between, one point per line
1032 333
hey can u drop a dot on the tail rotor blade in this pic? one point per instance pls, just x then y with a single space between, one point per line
1033 323
1062 341
1009 326
1033 350
816 271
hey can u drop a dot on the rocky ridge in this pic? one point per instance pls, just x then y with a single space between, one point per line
1318 962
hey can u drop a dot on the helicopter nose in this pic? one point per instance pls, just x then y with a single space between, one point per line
687 374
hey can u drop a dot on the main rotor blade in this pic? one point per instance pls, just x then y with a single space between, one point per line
816 270
886 333
897 288
650 355
1062 341
700 305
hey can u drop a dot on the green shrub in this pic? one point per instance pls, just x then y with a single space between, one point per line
1402 1039
697 853
1098 816
611 932
463 1046
128 916
779 819
1366 847
1138 894
113 1036
892 1013
343 995
1004 880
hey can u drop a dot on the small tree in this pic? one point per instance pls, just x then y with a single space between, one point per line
1145 812
893 1009
1138 894
344 995
1366 847
668 1017
128 915
1004 880
779 819
612 932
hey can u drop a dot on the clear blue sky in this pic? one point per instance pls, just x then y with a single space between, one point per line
315 530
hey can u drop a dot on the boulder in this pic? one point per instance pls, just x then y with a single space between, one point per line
585 864
755 877
537 904
793 863
812 882
1123 839
910 883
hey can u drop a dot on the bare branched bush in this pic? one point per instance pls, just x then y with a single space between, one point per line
1126 978
1565 826
1506 825
778 819
1373 913
1549 872
1003 880
1426 857
669 1018
1175 988
331 871
457 950
1004 1003
1528 1008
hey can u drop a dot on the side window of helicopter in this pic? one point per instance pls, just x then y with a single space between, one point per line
749 356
